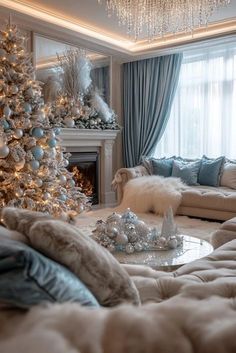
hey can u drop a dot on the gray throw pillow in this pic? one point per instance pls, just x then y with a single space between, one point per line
188 172
210 171
162 166
28 278
90 262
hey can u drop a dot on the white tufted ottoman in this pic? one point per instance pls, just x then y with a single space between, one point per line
227 232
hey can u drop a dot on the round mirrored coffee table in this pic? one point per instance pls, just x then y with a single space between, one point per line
168 260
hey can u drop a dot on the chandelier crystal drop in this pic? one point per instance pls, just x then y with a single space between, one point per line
155 18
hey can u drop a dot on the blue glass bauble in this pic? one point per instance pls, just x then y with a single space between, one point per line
3 53
57 130
37 152
52 142
37 132
4 151
71 183
5 124
27 107
7 111
62 197
12 58
62 179
34 165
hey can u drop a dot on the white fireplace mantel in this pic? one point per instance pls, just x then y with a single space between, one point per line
76 140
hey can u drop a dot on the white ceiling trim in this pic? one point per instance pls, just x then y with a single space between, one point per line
42 14
132 49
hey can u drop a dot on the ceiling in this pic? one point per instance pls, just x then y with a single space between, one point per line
88 19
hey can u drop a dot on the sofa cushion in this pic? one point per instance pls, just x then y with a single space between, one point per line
187 171
162 166
28 278
228 177
64 243
210 171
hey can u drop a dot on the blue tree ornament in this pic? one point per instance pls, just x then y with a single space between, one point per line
34 165
37 152
37 132
52 142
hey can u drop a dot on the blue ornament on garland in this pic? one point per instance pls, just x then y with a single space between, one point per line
52 142
27 107
34 165
37 152
37 132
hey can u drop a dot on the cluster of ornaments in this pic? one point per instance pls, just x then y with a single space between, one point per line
126 232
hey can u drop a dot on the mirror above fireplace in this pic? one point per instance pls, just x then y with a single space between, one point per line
45 56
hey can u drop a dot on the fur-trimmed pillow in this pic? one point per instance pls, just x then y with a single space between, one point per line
64 243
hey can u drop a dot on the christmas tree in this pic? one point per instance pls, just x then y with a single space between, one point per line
80 105
33 172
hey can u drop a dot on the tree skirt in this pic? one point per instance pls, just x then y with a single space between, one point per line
186 225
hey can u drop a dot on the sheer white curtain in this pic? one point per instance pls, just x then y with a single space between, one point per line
203 117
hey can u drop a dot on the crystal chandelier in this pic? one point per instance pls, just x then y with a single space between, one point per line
155 18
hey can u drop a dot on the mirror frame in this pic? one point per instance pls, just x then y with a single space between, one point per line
57 39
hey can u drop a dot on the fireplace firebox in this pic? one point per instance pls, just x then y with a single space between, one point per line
84 166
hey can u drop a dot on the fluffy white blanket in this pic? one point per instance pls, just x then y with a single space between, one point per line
184 324
153 193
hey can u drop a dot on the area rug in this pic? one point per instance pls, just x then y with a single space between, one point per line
186 225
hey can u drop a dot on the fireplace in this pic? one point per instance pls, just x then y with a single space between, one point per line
101 143
85 168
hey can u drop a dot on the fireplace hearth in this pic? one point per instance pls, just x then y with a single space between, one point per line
84 166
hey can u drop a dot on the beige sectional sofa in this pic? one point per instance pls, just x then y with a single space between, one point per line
198 201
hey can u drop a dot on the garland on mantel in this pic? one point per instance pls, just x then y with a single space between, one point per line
68 113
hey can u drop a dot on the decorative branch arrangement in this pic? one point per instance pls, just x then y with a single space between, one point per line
80 105
76 73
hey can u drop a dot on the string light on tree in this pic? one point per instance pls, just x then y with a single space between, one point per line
31 158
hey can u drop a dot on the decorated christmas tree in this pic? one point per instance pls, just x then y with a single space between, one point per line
80 104
33 172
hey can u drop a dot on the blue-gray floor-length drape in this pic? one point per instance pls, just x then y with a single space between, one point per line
149 89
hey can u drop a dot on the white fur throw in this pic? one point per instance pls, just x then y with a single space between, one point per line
152 193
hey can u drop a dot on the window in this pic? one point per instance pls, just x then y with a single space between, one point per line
203 116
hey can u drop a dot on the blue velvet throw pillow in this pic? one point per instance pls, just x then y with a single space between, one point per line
188 172
210 171
28 278
162 166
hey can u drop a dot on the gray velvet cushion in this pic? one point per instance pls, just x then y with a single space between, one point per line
210 171
162 166
187 171
28 278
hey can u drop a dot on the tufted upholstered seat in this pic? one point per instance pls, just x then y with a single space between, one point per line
213 273
215 202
